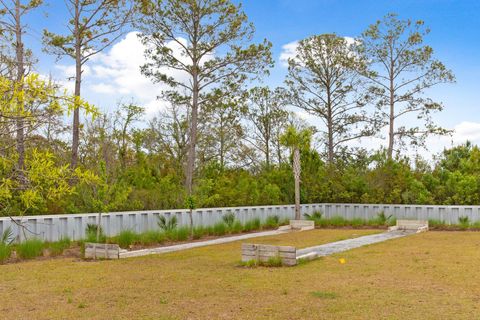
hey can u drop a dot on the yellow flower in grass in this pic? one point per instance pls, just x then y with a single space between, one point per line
342 260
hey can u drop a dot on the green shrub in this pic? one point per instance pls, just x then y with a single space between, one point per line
337 221
248 226
357 222
5 252
272 262
219 229
229 219
199 232
237 227
152 237
432 223
56 248
271 222
476 225
167 224
91 233
257 225
126 238
383 219
178 234
30 249
315 216
464 222
6 237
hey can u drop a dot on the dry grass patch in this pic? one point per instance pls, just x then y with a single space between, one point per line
427 276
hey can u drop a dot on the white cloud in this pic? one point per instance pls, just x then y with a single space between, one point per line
289 51
115 75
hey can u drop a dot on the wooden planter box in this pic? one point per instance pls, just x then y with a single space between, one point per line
263 252
101 251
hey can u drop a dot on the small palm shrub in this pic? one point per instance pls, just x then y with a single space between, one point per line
383 219
229 219
167 224
6 237
30 249
315 216
464 222
91 233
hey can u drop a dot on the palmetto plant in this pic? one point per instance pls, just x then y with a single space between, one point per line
6 237
167 224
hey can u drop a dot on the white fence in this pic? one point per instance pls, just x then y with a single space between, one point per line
53 227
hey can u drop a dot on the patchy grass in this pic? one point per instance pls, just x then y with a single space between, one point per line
432 275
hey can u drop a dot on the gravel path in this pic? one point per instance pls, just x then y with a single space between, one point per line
344 245
191 245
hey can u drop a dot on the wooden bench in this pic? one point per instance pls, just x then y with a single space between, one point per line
264 252
101 251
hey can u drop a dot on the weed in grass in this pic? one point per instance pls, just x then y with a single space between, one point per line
219 229
237 227
57 248
82 305
249 264
229 219
69 300
167 224
271 222
30 249
324 294
5 252
273 262
126 238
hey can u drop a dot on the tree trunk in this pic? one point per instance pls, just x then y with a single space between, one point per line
193 138
20 121
78 82
391 129
296 175
330 125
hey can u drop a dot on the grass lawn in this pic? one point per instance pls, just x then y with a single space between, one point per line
434 275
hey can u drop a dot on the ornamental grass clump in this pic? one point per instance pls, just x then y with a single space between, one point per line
30 249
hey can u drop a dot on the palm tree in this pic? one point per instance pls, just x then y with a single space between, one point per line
296 140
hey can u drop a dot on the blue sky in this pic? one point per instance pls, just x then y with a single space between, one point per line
455 37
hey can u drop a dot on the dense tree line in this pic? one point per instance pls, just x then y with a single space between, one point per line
222 139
